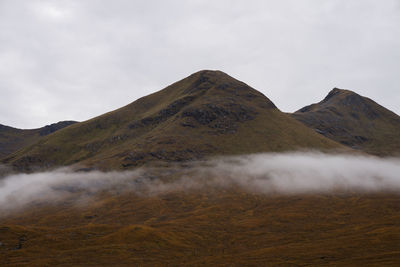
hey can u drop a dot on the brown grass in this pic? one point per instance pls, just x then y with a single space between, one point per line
209 227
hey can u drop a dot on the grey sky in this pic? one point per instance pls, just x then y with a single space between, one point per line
76 59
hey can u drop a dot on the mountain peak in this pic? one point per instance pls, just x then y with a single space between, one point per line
213 77
217 85
353 120
336 92
210 72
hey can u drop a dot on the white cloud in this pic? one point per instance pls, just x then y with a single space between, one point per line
275 173
51 10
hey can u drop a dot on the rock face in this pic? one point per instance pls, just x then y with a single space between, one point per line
223 118
12 139
355 121
208 113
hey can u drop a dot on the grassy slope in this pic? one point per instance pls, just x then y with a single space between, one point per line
225 117
12 139
211 227
355 121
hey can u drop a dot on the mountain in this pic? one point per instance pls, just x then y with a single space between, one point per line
12 139
355 121
208 113
184 215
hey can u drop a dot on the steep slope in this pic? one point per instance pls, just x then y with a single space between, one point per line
354 121
12 139
208 113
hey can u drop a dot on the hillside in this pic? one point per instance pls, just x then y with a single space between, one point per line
13 139
208 113
354 121
206 228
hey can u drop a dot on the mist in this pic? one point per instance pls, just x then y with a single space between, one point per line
271 173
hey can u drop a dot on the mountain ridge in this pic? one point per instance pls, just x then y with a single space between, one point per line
13 139
205 114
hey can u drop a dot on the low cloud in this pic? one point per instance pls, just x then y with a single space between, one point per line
272 173
308 172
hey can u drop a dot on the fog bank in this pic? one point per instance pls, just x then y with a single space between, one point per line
282 173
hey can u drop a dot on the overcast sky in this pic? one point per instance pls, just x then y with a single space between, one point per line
73 60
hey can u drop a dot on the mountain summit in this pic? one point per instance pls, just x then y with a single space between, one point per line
353 120
208 113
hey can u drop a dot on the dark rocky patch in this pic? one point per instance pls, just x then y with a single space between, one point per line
221 117
166 142
117 138
132 159
360 139
31 163
164 114
188 124
94 146
100 126
176 106
203 83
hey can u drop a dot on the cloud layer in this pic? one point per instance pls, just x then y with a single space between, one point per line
73 59
284 173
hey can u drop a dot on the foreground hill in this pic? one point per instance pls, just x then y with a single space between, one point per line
207 228
12 139
354 121
208 113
